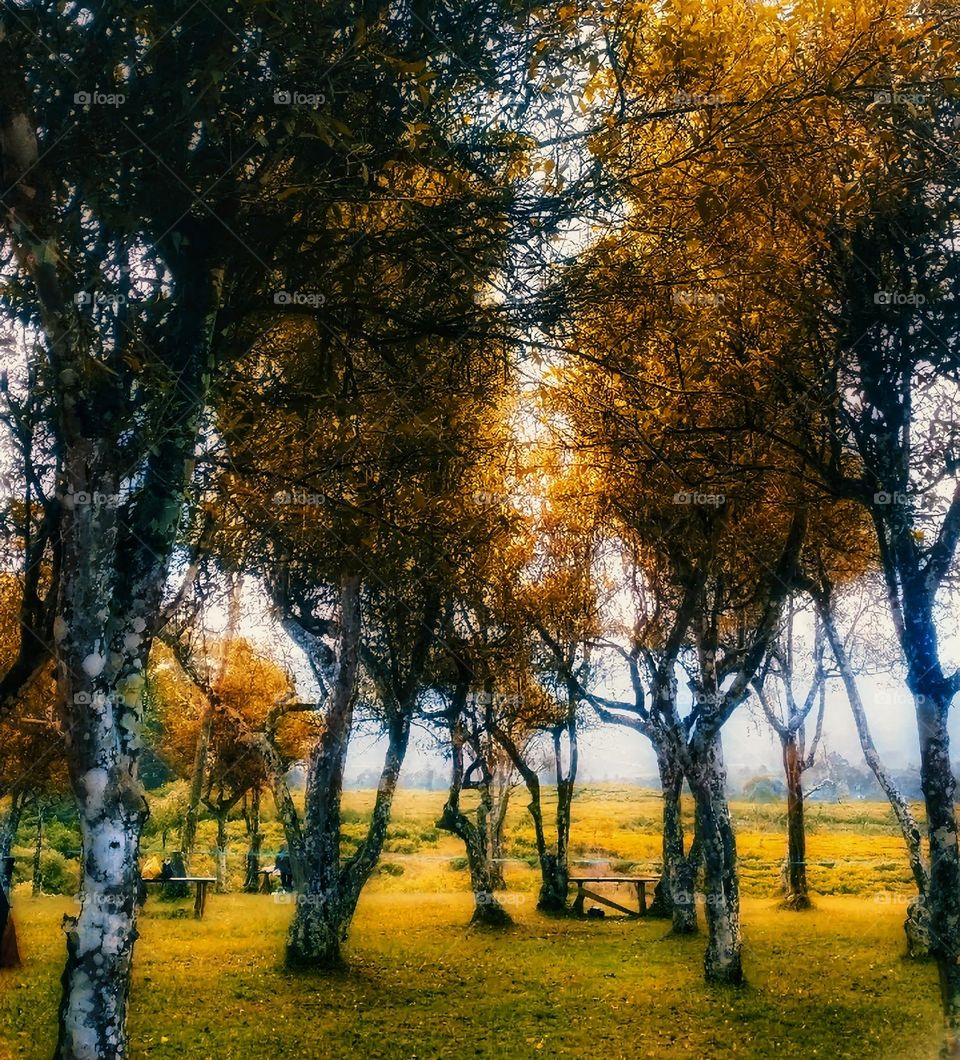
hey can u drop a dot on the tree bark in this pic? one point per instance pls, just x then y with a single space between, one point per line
943 892
8 831
676 888
251 881
487 911
554 866
905 819
323 917
316 931
111 589
37 854
9 950
286 811
221 884
100 939
707 776
496 822
188 833
796 895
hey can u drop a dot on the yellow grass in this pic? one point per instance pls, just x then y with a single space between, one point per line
827 983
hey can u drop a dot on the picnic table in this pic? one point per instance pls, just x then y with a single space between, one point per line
202 882
267 872
639 882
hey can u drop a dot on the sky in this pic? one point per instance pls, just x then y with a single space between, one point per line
750 748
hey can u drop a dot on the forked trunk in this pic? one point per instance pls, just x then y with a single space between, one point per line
487 911
327 898
315 932
326 907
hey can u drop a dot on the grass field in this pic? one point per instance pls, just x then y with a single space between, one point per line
831 982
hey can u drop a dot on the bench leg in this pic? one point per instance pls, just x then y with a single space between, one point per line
642 897
578 904
200 901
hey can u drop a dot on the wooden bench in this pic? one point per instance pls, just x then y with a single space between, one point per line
202 882
639 882
266 883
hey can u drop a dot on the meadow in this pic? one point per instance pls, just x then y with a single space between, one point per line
831 982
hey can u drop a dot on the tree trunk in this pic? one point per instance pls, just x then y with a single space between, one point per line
114 571
905 819
316 930
323 920
96 978
286 812
37 854
488 815
676 897
9 950
8 831
188 833
707 776
496 822
251 882
943 892
221 884
796 895
487 910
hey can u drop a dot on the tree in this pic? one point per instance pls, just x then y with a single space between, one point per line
147 212
811 178
861 184
31 754
236 691
787 717
844 652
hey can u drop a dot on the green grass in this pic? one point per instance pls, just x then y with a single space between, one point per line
829 983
